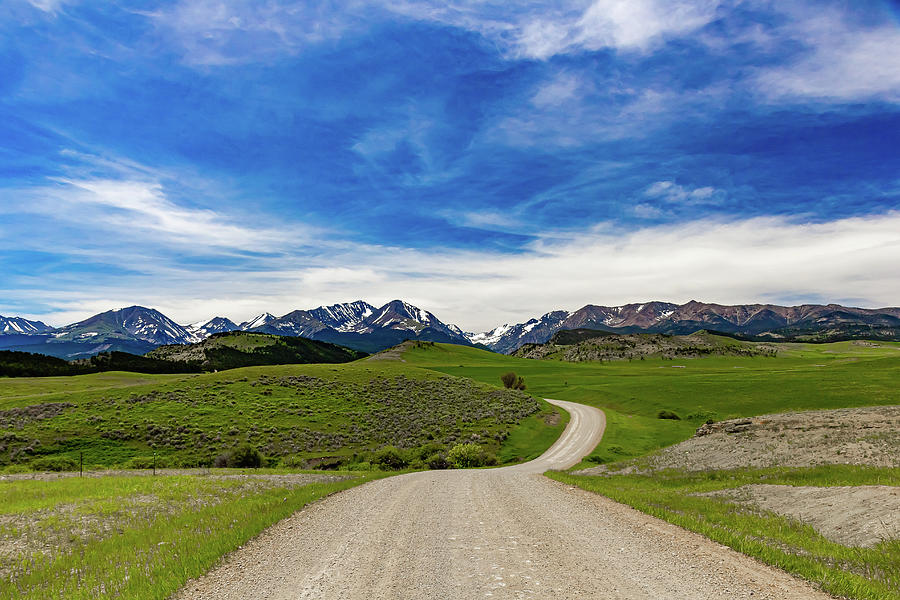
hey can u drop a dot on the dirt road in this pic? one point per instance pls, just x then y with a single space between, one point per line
497 533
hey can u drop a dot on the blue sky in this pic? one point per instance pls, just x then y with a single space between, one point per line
486 162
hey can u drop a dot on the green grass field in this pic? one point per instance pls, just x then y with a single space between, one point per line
136 537
310 414
632 393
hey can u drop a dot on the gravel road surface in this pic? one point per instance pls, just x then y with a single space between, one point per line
492 533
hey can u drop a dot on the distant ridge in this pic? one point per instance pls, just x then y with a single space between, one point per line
137 330
367 328
807 322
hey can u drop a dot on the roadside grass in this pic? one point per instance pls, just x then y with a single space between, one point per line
851 572
137 537
311 414
632 393
534 436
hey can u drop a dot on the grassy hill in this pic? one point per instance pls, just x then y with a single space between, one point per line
581 345
216 353
633 393
301 414
245 349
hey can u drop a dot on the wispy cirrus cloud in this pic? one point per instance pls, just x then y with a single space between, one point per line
212 33
669 191
141 208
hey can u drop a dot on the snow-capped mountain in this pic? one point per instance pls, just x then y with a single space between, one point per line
361 326
135 323
204 329
507 338
18 325
344 317
402 316
766 321
257 321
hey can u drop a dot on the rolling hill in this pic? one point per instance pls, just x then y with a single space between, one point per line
235 349
580 345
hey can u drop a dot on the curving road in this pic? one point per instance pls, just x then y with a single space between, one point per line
495 533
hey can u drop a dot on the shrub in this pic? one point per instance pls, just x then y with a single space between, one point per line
293 462
667 414
10 469
701 415
55 463
390 457
245 456
512 381
508 379
438 461
463 456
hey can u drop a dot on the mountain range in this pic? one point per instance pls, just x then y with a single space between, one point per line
807 322
362 326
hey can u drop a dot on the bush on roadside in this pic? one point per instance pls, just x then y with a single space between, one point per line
17 468
55 463
293 461
667 414
390 458
464 456
243 457
246 456
438 461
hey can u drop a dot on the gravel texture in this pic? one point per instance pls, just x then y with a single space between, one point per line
492 533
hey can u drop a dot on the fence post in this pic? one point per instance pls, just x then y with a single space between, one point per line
154 464
81 464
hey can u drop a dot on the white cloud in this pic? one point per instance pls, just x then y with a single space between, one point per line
142 208
559 90
669 191
764 259
543 29
222 32
844 61
638 24
647 211
217 32
50 6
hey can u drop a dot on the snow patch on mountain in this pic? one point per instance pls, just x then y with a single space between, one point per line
18 325
257 321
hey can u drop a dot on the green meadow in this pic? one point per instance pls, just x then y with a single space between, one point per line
296 415
632 393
